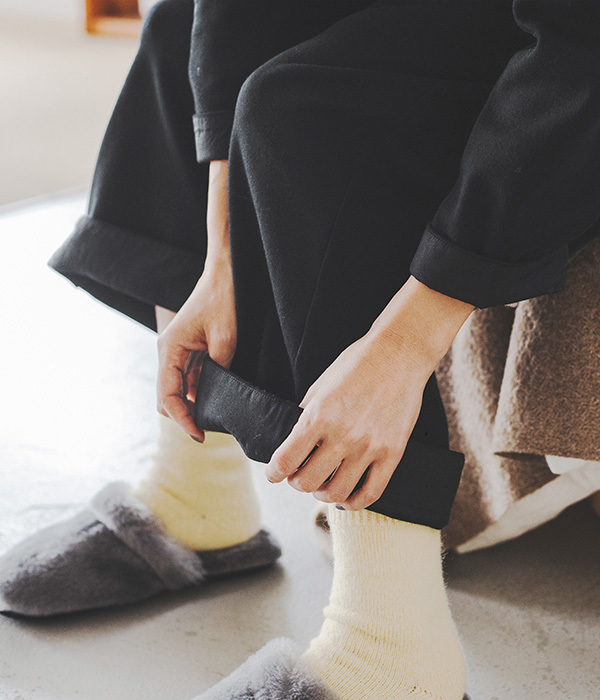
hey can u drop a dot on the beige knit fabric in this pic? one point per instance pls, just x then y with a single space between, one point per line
203 493
388 633
519 384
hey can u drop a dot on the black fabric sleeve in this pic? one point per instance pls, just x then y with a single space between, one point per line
528 187
231 38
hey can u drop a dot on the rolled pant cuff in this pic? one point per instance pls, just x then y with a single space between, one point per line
126 270
421 490
424 485
441 264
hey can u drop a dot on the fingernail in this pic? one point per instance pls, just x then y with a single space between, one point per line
196 439
340 507
269 480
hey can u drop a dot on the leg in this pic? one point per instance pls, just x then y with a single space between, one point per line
203 494
141 250
342 149
339 157
147 214
141 246
143 240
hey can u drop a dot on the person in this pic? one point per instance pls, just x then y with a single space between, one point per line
366 173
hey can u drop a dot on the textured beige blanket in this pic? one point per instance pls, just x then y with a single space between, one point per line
521 387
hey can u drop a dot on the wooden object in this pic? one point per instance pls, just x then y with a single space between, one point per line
113 17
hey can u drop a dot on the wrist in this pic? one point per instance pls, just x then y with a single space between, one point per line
217 214
218 256
217 267
421 321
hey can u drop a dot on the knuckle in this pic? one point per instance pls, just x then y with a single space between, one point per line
370 494
321 496
324 424
170 402
356 437
310 415
279 467
275 473
355 505
385 453
279 463
321 417
303 484
337 495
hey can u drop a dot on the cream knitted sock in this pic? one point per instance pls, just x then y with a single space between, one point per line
202 492
388 633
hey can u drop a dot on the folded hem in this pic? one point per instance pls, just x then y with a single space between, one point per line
423 487
212 133
128 271
463 274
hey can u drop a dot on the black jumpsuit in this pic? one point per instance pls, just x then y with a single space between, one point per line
454 140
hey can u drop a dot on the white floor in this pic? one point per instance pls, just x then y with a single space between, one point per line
78 411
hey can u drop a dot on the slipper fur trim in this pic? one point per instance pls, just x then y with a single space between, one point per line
275 672
260 550
319 526
74 564
136 526
112 553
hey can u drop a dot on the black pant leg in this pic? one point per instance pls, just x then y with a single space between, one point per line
143 240
342 149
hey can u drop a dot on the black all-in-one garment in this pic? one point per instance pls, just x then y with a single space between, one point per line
454 140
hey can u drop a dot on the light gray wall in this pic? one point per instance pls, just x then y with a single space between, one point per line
70 10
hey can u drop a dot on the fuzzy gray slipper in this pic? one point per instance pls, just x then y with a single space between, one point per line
275 672
113 552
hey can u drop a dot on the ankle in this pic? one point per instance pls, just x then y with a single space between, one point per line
203 494
388 632
225 523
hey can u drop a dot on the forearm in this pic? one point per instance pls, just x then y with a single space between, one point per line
217 214
421 322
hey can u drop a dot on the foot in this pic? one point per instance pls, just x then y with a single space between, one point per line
277 672
114 552
388 632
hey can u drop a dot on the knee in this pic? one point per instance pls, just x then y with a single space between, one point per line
268 100
167 24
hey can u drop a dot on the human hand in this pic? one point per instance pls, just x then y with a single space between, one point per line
359 414
206 321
